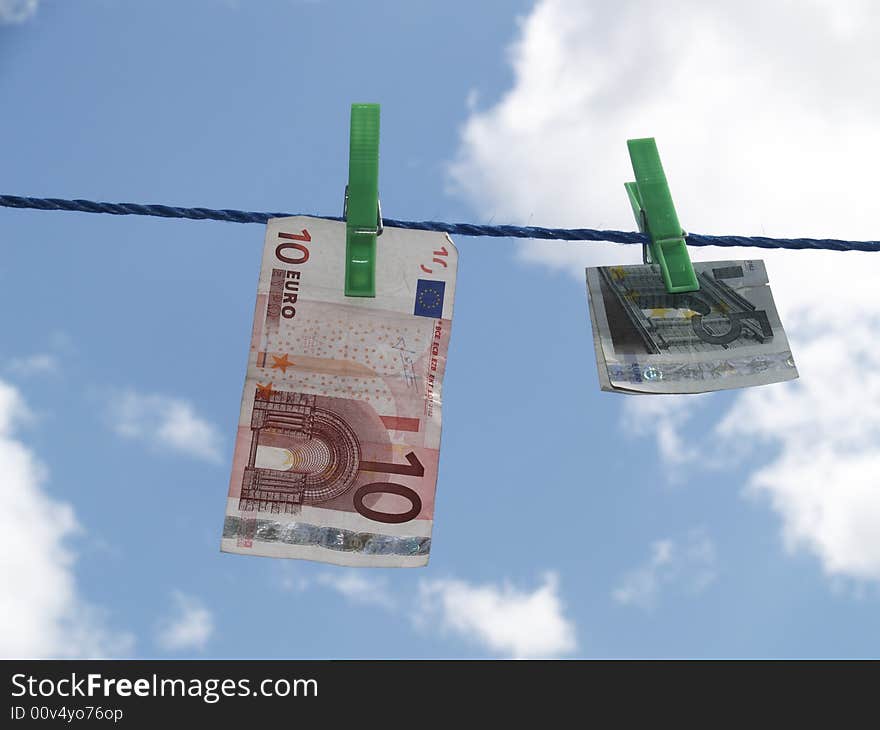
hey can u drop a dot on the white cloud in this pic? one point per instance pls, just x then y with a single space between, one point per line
34 365
61 348
825 480
17 11
664 418
42 613
190 625
292 581
165 422
504 619
354 585
358 587
765 114
689 566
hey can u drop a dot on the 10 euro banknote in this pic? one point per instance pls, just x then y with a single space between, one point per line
337 448
726 335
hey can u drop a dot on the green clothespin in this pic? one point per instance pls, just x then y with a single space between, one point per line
655 214
363 216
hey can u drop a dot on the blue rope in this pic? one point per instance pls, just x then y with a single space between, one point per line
460 229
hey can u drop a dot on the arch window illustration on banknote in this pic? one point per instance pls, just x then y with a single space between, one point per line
305 450
299 454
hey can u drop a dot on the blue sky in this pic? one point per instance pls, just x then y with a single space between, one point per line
569 522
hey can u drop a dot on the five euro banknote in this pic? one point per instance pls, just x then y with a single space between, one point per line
726 335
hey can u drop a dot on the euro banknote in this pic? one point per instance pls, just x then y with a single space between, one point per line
726 335
337 448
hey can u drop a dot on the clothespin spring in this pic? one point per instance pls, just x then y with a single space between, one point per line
380 226
646 251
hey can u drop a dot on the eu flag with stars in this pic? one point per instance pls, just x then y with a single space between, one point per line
429 298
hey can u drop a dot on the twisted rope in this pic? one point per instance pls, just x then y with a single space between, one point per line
459 229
